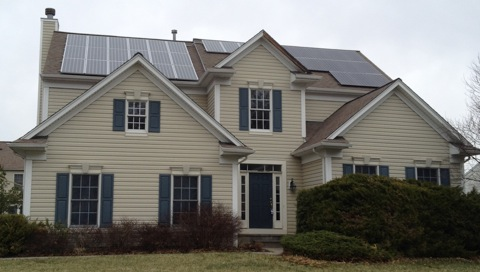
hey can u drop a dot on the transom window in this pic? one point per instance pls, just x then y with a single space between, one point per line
260 109
427 174
185 196
84 202
137 115
260 167
366 169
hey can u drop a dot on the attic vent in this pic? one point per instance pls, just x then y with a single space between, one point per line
50 12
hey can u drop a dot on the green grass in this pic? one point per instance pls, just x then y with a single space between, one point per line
222 262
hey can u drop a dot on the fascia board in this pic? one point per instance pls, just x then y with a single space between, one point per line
363 112
237 54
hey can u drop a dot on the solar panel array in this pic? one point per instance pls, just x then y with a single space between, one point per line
221 46
347 66
100 55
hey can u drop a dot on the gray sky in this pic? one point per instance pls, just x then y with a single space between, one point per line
429 44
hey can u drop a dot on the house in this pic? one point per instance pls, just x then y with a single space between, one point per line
12 165
472 179
148 129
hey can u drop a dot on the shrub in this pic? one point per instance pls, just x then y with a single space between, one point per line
15 230
410 218
326 245
49 239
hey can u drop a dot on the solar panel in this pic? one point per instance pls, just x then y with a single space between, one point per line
347 66
214 46
100 55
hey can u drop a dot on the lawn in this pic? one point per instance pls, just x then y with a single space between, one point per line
222 262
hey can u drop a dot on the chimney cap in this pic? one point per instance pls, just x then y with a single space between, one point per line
50 12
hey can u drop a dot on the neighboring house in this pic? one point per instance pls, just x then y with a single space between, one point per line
148 129
12 165
472 179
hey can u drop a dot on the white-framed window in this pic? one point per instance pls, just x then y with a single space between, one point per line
84 204
186 196
260 109
435 175
366 169
137 115
428 174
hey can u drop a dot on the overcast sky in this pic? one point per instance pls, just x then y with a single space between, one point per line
429 44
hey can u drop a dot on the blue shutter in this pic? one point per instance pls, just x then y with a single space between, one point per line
383 170
277 111
206 191
164 201
409 172
106 207
347 169
445 177
243 106
61 201
119 115
154 116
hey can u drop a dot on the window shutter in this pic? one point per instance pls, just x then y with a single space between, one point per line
277 111
206 191
347 169
106 208
383 170
243 106
409 172
154 116
61 201
164 202
118 115
445 177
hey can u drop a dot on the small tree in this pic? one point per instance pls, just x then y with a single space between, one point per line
10 195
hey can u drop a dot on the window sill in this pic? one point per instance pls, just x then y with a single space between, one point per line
260 132
136 133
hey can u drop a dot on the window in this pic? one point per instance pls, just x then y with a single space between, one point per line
137 115
439 176
260 110
84 201
381 170
18 180
366 169
260 113
185 196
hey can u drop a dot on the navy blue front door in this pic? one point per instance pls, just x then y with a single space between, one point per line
260 199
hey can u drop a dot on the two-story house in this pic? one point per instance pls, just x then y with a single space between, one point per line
148 129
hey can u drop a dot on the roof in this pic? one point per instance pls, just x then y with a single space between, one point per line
346 67
9 161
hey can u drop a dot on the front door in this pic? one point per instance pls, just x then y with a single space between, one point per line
260 199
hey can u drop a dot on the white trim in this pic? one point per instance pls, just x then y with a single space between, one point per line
303 114
327 169
27 186
235 189
217 102
94 172
44 114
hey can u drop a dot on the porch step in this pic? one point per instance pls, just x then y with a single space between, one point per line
267 241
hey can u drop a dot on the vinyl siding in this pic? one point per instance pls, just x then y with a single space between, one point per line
319 110
58 98
260 64
312 174
396 135
200 99
211 103
136 161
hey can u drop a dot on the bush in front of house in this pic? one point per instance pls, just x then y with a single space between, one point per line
212 228
407 218
15 231
330 246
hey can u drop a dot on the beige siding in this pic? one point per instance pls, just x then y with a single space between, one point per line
312 174
200 99
396 135
135 161
58 98
211 103
319 110
261 65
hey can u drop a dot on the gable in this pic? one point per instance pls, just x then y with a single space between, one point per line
260 63
393 127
